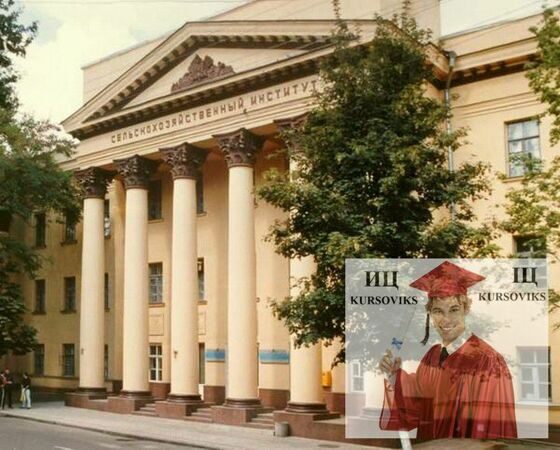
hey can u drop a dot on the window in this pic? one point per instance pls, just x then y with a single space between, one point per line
40 230
39 360
106 291
69 294
156 283
200 267
535 373
156 362
69 231
199 195
106 361
106 219
154 200
201 362
530 246
68 358
40 293
523 142
356 377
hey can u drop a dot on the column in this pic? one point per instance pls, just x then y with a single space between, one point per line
335 396
93 182
135 172
186 162
306 390
240 150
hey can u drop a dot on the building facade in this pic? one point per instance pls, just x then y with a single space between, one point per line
162 290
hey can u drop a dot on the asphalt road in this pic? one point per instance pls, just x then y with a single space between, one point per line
19 434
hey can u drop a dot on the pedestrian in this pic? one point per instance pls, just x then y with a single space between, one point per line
8 385
2 390
26 391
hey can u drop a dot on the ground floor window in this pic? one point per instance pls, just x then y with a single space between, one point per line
106 361
201 363
356 377
39 360
156 362
68 360
534 363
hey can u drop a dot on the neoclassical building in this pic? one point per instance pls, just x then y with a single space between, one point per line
162 291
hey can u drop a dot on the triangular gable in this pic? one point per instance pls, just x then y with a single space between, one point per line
294 49
305 35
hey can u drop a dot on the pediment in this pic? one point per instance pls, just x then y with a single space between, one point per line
243 46
211 61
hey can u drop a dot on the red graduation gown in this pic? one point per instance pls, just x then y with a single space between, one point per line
469 396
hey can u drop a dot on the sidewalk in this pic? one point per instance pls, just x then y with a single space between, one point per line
210 436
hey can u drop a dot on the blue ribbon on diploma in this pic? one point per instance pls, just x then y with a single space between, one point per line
396 343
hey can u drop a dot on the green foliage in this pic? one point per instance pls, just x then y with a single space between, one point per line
30 181
544 73
14 38
370 174
533 209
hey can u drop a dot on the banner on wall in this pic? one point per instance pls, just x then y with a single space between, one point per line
447 348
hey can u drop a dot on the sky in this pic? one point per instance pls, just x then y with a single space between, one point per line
73 33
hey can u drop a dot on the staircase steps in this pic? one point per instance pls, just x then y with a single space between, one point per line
263 421
203 415
147 410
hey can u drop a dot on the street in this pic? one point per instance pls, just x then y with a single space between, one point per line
19 434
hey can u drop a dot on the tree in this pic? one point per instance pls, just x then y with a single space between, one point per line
544 73
30 181
371 177
533 209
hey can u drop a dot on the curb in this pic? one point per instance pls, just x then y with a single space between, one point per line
110 433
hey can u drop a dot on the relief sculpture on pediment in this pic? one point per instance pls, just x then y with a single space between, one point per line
201 70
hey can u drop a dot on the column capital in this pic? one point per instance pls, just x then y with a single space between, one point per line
135 171
240 147
291 123
93 181
185 160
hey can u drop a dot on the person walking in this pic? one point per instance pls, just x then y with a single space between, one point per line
26 391
8 385
2 390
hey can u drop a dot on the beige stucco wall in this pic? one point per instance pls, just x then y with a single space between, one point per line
426 11
485 108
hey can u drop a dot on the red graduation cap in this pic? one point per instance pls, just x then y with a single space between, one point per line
446 280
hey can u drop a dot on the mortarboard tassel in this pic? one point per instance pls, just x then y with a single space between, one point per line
427 333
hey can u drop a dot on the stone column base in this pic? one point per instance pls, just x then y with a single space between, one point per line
81 398
214 394
160 390
307 408
237 411
129 401
336 401
274 398
302 424
371 413
173 409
